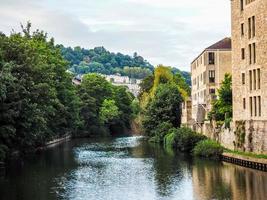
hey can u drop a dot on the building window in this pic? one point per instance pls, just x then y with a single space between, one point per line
250 105
249 28
212 76
241 5
244 103
211 58
253 27
259 78
254 52
250 53
212 91
255 106
250 79
254 79
259 102
204 77
243 78
242 29
243 53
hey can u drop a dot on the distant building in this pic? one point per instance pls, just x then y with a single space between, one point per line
208 71
249 37
187 113
130 83
77 80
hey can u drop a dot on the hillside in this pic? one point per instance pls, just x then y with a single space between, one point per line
102 61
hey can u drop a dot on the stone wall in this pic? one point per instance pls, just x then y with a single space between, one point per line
253 139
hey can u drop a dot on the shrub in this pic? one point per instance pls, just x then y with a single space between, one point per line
169 139
209 149
161 131
186 139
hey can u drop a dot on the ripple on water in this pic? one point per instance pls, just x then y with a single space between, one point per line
108 172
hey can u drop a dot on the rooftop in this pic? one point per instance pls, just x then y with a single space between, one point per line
224 44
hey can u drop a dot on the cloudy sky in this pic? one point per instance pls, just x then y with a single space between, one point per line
169 32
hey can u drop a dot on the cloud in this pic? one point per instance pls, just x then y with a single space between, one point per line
170 32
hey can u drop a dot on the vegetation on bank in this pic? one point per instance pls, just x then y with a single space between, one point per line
39 103
248 154
222 108
208 149
161 97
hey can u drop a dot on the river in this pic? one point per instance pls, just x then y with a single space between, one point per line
127 168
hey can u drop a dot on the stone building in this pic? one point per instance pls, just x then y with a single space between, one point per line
130 83
186 119
249 66
208 71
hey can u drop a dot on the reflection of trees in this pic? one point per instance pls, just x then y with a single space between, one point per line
169 168
213 180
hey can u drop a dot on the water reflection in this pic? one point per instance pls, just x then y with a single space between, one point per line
127 169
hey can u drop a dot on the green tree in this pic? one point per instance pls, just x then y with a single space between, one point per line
223 104
164 107
108 111
38 101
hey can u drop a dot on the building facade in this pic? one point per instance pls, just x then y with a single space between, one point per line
186 119
131 84
207 72
249 66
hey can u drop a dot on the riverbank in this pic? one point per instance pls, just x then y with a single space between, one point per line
245 160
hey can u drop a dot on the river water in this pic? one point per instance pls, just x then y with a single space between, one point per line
127 168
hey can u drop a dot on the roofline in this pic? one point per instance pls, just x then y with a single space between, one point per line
207 49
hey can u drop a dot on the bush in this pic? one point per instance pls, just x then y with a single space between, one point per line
161 131
186 139
209 149
169 139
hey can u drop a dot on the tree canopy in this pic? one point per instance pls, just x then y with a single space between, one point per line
100 60
38 102
223 104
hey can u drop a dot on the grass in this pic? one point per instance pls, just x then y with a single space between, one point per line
253 155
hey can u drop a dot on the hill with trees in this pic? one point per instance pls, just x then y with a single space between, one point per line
100 60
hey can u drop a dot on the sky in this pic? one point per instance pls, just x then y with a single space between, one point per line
168 32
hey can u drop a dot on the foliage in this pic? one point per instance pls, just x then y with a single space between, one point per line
248 154
38 102
169 139
164 107
136 109
104 103
240 134
162 75
108 111
185 139
185 75
161 131
223 104
208 148
99 60
183 86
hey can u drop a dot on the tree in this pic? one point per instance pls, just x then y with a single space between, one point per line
108 111
223 104
164 107
183 86
38 101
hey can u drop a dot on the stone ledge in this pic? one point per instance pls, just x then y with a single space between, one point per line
246 158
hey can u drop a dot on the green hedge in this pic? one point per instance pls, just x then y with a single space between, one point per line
209 149
183 139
